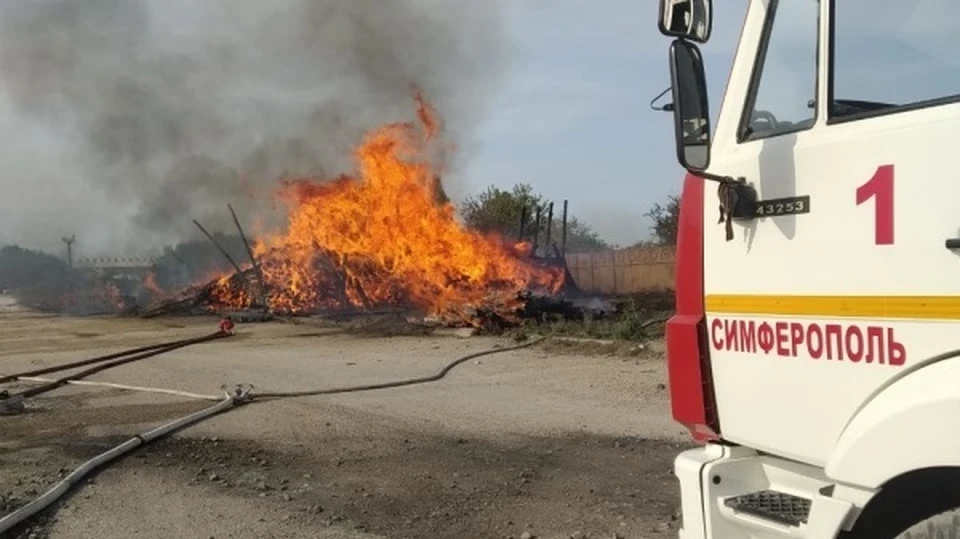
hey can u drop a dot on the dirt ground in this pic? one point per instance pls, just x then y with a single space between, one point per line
556 440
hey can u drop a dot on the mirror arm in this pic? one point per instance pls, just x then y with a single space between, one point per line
664 108
737 200
715 177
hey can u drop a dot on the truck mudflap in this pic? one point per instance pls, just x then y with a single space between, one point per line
735 493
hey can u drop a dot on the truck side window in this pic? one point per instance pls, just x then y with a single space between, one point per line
784 86
892 56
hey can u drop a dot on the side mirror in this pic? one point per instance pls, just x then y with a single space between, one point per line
691 109
687 19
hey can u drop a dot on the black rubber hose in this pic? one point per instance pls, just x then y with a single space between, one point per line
238 398
99 359
21 515
396 383
50 386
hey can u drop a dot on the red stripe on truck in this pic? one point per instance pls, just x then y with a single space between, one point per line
688 361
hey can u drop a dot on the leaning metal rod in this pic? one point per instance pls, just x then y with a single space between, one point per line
563 237
217 245
253 259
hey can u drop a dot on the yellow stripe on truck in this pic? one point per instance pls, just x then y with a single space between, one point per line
916 307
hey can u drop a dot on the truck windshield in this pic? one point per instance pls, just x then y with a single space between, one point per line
893 55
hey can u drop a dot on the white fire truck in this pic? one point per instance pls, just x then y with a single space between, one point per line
814 351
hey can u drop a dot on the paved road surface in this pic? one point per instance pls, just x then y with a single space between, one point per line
549 440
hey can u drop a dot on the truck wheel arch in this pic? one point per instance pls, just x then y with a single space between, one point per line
902 428
908 500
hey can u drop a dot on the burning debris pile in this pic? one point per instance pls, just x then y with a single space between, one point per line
383 237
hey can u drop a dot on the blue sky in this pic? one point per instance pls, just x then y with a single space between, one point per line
574 120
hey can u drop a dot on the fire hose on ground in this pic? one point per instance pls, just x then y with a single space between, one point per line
49 497
238 396
442 373
99 359
13 403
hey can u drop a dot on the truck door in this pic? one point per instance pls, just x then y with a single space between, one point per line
845 116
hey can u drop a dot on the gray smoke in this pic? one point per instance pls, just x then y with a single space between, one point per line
141 115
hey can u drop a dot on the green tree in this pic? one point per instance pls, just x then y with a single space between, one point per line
21 267
665 220
498 210
581 237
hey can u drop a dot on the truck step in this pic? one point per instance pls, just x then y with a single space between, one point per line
772 505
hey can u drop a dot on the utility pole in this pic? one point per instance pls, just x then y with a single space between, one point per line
69 241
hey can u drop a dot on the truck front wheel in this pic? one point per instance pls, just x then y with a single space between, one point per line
924 504
946 525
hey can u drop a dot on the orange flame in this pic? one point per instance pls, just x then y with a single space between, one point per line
149 283
113 297
383 237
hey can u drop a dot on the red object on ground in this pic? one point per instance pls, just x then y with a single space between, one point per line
226 325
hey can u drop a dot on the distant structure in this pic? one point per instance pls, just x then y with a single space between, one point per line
69 242
133 268
116 262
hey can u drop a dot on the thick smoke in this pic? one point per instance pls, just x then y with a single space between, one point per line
141 115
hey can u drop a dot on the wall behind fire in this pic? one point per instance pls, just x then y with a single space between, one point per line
624 271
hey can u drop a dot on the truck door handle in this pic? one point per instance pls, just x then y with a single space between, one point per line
952 243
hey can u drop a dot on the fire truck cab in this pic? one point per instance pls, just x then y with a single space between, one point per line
814 350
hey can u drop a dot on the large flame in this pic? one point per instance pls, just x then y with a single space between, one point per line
384 237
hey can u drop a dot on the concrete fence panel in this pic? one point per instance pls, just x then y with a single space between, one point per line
624 271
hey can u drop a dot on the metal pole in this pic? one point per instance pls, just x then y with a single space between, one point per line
217 245
69 241
536 232
549 225
253 260
563 239
523 221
